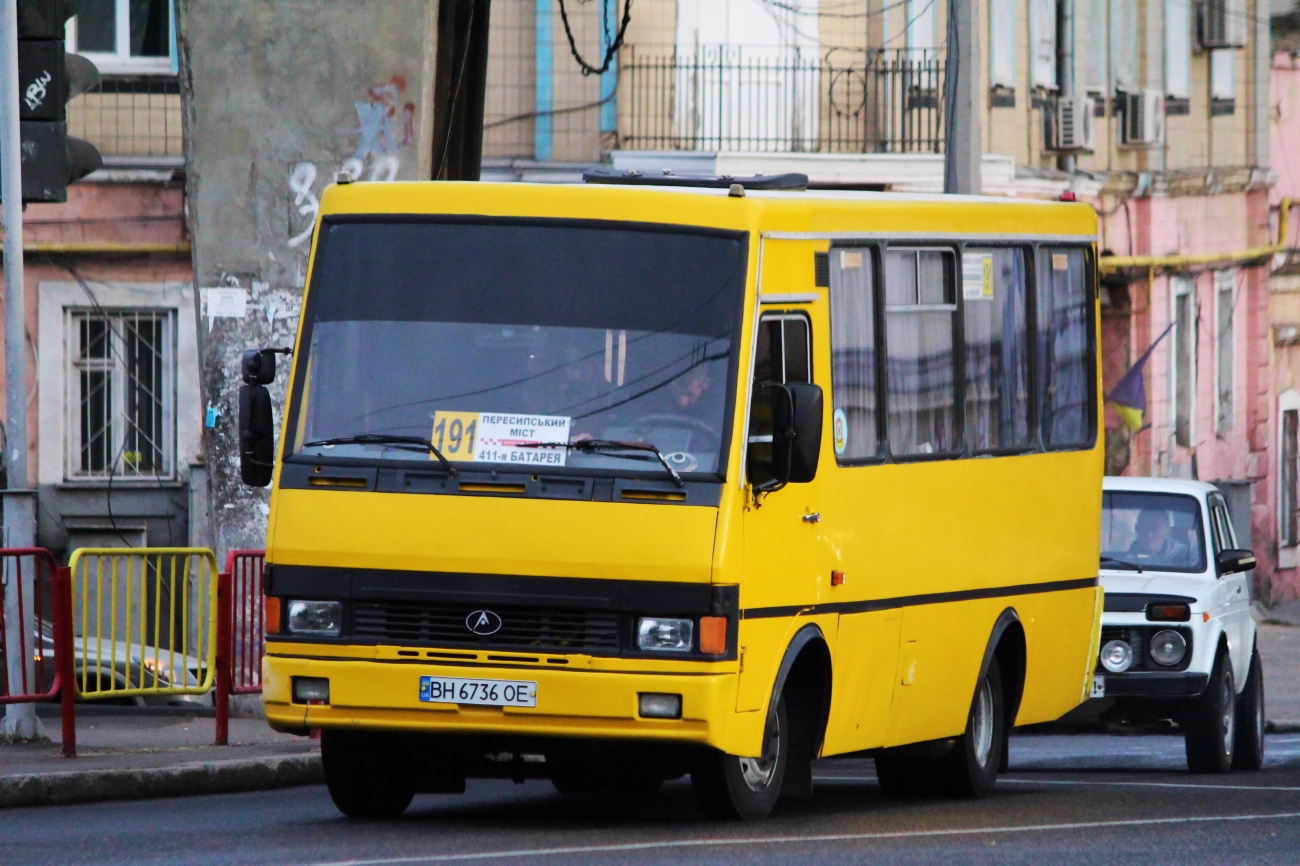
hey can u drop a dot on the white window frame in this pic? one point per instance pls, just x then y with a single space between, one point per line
1225 342
56 398
1178 49
1180 287
121 62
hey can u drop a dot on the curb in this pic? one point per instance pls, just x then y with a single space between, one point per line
1282 726
210 777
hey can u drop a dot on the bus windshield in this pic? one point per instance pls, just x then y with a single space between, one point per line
505 343
1151 532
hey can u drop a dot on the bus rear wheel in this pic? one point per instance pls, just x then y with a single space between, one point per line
364 774
732 788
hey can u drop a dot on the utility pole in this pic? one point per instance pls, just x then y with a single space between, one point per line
20 722
962 133
1065 64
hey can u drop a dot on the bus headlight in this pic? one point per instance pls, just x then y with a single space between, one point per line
1168 647
315 617
658 634
1116 656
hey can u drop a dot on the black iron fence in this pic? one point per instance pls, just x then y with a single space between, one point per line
779 100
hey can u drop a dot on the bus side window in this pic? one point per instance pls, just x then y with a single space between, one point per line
1065 364
782 355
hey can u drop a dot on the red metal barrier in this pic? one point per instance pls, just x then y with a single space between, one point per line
241 641
48 600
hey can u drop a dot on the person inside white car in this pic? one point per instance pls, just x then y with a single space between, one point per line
1156 542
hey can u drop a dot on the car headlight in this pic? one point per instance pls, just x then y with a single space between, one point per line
1116 656
315 617
658 634
1168 647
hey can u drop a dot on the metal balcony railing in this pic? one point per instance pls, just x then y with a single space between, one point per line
731 98
130 116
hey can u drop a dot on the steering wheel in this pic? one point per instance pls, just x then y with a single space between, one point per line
678 421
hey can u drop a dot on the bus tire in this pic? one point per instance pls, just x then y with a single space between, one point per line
1210 724
1249 751
731 788
970 769
363 777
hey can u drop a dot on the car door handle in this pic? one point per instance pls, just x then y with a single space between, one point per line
812 518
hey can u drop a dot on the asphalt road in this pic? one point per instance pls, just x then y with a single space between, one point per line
1082 799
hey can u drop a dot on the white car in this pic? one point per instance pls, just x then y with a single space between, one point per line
1177 639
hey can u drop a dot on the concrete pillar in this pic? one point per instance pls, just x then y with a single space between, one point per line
20 722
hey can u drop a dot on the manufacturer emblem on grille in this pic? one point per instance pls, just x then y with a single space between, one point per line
483 622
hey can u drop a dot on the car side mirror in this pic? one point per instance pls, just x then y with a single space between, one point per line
796 433
1235 561
256 435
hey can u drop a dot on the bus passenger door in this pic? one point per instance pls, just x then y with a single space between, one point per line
781 528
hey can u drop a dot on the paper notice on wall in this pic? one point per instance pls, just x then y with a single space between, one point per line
977 276
224 304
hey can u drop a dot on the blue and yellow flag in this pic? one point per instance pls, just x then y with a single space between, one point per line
1129 396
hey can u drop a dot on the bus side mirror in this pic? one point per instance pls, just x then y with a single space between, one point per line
1235 561
796 432
256 435
258 365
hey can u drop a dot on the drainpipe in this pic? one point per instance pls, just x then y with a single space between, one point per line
1065 64
609 78
544 84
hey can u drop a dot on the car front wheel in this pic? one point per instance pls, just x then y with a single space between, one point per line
1211 723
1249 753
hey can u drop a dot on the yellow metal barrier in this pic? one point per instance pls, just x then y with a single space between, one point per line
144 621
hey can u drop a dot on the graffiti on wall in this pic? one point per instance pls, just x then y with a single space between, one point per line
385 128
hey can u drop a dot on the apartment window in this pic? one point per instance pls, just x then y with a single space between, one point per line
124 36
1096 53
1184 365
1288 495
996 349
1223 84
853 355
1002 43
1124 44
1178 52
920 310
920 25
1225 294
1065 355
122 385
1042 27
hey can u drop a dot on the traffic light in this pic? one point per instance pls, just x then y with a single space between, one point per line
47 78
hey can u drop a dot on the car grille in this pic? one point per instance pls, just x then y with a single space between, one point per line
522 628
1135 638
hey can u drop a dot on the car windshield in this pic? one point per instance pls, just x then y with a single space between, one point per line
1151 531
503 343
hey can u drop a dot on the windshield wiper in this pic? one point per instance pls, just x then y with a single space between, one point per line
404 443
612 446
1122 564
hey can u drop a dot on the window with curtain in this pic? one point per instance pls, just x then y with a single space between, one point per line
996 349
1124 44
1002 43
1066 367
920 309
1096 75
1178 49
853 356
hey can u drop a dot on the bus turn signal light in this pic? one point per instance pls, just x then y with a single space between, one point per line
272 611
713 635
837 578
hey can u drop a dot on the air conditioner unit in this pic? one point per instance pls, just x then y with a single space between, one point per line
1222 23
1074 128
1144 119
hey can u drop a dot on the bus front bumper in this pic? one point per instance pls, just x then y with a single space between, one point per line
600 704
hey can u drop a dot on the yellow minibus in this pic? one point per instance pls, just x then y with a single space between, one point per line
615 482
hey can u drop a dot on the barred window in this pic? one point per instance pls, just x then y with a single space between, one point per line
123 372
997 349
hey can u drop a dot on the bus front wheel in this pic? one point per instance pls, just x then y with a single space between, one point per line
729 787
364 774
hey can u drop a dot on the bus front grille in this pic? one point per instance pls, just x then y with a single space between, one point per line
536 628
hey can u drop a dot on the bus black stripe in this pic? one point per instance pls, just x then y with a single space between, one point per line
917 600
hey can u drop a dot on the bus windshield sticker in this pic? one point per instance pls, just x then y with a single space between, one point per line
850 260
501 437
977 276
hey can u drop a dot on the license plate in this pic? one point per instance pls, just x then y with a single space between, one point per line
1098 687
488 693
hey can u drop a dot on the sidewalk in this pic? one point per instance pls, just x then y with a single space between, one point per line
126 753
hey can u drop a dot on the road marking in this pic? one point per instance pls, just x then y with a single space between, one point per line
1151 784
803 840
